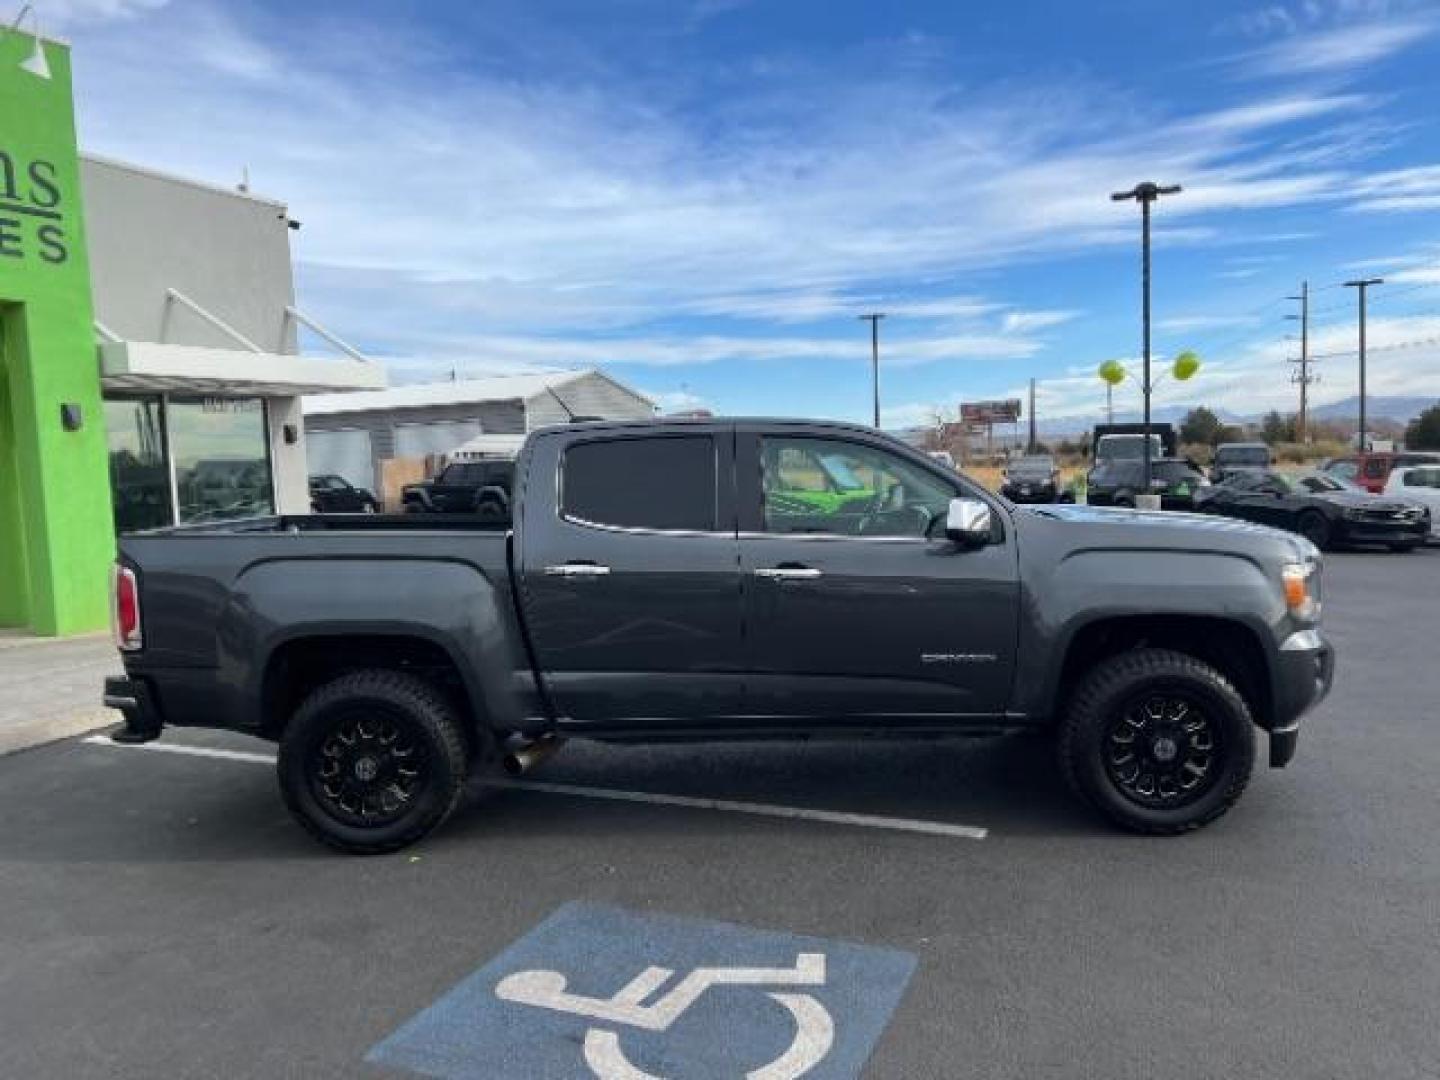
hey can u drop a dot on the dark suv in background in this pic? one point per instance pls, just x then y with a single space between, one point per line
466 487
1117 482
1034 478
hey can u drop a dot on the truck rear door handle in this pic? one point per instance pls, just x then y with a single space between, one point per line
577 569
788 573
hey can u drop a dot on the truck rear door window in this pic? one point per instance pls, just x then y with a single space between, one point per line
646 483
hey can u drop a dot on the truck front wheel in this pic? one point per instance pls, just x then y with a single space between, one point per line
1158 741
373 761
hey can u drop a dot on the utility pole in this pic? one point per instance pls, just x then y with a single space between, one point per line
1145 194
1362 285
1304 378
1031 448
874 320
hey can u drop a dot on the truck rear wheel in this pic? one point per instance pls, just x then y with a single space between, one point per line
373 761
1158 741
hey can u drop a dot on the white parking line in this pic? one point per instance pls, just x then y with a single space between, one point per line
192 751
690 802
829 817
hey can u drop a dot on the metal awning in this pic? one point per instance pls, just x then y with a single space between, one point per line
139 366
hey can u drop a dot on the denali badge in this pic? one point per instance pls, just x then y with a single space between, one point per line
958 658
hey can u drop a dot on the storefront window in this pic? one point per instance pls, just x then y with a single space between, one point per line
222 458
139 479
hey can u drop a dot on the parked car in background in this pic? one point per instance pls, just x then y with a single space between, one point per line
468 487
1420 483
1239 457
331 494
1116 483
1371 470
1322 508
1111 441
1032 479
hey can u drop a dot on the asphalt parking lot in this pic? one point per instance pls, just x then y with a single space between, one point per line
161 916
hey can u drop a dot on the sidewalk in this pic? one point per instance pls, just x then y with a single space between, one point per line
50 687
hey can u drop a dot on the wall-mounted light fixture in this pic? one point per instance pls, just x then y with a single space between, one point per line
72 417
35 64
292 434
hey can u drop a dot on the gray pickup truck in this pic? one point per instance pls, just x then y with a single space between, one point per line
722 579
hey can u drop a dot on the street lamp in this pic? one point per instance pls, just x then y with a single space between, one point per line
1362 286
874 320
1145 194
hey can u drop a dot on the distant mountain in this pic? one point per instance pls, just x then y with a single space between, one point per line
1400 409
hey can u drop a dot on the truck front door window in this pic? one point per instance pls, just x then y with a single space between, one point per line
838 488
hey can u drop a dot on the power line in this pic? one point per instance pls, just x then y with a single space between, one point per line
1416 344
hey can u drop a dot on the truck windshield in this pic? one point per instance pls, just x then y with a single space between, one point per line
1242 455
1126 447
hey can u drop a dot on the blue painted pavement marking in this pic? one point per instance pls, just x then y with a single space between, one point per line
597 991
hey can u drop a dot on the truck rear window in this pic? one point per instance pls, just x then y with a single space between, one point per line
645 483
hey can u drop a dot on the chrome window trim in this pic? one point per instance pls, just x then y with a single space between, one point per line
639 530
839 536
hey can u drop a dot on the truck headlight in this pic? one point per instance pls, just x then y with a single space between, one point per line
1302 589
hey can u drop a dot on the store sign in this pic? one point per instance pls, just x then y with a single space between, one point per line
32 211
990 412
229 405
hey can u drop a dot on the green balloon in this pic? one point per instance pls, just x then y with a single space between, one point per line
1113 372
1186 365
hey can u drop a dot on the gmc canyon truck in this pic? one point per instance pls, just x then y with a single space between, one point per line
736 579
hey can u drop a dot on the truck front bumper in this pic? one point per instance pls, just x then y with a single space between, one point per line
136 703
1305 671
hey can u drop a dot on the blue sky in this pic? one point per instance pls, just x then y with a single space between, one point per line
700 196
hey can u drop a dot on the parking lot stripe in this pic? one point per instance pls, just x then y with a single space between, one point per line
829 817
192 751
689 802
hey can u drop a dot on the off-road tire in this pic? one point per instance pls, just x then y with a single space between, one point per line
425 716
1105 693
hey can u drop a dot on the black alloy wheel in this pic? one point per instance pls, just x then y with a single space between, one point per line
370 768
373 761
1162 750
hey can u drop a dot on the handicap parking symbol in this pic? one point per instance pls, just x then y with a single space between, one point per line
602 992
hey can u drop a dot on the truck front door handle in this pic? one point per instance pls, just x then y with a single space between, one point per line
577 569
788 573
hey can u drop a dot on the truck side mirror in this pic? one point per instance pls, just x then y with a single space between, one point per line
968 522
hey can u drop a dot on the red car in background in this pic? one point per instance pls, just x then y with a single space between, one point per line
1371 470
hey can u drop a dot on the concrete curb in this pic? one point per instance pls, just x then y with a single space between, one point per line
48 729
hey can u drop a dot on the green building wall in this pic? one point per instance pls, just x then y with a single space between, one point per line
56 532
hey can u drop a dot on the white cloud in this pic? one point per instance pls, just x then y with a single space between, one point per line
66 14
1342 48
674 401
555 207
1180 324
1025 322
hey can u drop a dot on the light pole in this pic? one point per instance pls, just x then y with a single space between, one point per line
1363 285
1304 378
874 320
1145 194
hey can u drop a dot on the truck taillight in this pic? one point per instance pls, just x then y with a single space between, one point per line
125 608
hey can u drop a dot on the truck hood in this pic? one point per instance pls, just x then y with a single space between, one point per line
1086 526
